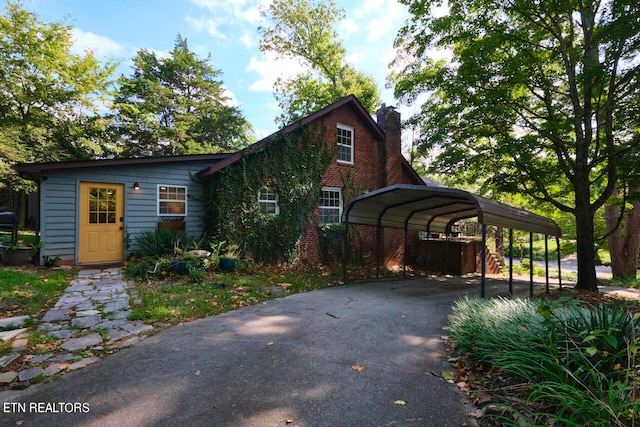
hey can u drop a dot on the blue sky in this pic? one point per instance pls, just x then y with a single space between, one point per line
227 29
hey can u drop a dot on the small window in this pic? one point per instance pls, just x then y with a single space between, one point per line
330 206
344 137
172 201
268 202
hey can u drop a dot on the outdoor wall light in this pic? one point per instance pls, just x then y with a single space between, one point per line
136 186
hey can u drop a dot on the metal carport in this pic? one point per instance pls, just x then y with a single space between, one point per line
435 209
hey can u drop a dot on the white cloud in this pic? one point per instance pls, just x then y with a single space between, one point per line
233 100
232 14
249 39
347 26
101 46
370 6
210 25
392 14
269 69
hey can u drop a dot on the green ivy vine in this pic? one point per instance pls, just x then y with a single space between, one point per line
292 164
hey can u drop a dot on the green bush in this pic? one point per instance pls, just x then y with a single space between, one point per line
579 364
486 327
164 242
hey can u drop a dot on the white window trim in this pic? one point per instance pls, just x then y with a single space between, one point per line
186 198
276 202
339 191
350 129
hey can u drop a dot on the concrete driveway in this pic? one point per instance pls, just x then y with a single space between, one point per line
288 362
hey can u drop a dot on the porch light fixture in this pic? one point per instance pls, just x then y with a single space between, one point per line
136 186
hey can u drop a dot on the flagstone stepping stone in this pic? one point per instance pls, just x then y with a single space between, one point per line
117 334
8 359
86 321
9 335
136 328
83 363
8 377
64 358
116 306
41 358
56 315
15 321
87 313
49 327
29 374
82 342
63 334
54 368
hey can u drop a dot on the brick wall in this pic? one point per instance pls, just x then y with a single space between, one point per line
376 164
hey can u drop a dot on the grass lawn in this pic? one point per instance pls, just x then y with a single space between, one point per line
30 290
181 299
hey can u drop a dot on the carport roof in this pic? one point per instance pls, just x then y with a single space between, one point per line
434 209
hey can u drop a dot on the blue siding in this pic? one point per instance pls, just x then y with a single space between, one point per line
60 192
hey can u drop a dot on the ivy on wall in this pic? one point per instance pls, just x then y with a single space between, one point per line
331 237
292 165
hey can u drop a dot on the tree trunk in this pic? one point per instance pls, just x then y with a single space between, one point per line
587 280
624 245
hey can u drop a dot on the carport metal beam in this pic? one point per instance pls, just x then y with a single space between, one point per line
488 212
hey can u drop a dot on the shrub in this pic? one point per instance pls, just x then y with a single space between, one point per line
486 327
164 242
577 363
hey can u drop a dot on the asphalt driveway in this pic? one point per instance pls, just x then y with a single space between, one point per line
343 356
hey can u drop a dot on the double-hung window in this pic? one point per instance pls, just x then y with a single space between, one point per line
172 200
344 139
268 202
330 206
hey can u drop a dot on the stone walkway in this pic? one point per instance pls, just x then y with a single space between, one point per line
87 323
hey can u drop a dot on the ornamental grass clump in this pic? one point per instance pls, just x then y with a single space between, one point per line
572 365
486 328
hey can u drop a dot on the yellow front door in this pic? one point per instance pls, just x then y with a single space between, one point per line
101 222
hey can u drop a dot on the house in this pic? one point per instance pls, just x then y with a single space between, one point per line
91 211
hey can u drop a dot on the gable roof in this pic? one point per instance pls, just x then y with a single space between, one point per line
34 170
350 101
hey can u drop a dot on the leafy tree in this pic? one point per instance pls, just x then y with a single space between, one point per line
49 96
177 105
538 98
304 30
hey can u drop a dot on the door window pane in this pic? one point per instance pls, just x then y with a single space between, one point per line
102 205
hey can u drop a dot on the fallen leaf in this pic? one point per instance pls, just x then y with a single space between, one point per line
358 368
270 343
482 399
449 376
400 402
197 372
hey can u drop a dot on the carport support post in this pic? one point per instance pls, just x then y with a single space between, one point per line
530 264
404 263
510 262
559 271
483 261
345 257
426 251
378 240
546 260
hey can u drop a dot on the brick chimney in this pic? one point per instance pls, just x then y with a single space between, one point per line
391 151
